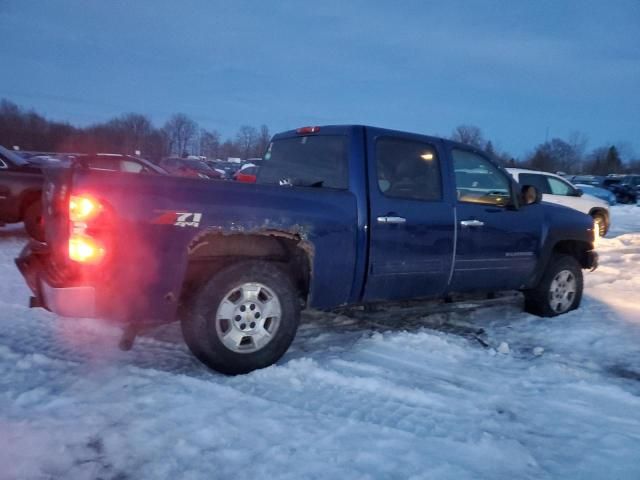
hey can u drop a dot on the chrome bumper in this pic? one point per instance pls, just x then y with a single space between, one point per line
64 300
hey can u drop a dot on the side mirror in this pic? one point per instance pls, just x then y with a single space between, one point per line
579 192
530 195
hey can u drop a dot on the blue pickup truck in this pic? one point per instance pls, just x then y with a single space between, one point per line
339 215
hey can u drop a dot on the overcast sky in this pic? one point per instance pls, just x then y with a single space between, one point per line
515 69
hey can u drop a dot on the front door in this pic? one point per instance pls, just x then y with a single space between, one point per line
412 226
497 245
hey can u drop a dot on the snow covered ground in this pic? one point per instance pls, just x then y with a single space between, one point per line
481 393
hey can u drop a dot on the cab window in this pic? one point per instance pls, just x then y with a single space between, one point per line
408 169
312 161
479 181
558 187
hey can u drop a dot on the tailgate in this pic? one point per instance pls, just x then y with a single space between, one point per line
55 197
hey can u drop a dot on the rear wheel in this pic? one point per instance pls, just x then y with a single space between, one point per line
559 290
243 318
34 221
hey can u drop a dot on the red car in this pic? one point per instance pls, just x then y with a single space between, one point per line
246 174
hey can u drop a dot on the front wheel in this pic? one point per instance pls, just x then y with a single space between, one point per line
600 222
243 318
559 290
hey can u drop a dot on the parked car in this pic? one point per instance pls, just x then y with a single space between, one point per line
21 192
229 168
632 182
601 193
247 173
339 215
188 167
118 163
624 193
556 189
41 159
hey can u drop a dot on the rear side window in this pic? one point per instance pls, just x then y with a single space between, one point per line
103 163
408 169
129 166
538 181
309 161
480 181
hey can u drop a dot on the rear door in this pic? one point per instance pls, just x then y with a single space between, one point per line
497 245
411 217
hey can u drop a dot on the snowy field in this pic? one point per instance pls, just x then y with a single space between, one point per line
486 392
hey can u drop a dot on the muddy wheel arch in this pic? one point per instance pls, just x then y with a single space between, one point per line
211 251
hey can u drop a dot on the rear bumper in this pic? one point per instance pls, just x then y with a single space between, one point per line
56 295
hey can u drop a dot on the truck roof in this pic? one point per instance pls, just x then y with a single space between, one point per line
346 128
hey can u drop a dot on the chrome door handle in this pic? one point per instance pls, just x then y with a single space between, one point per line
471 223
395 220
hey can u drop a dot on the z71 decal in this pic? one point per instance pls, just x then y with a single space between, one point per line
179 219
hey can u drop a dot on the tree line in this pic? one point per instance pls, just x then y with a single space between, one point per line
127 134
181 135
558 155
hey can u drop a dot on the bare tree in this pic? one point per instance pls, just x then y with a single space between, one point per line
468 134
138 129
210 144
246 139
578 142
263 141
555 155
180 131
229 149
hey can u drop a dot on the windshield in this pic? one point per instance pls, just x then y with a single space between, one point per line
13 157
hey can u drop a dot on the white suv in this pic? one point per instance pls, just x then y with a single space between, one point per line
556 189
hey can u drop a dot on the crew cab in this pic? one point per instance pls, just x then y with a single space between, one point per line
339 215
556 189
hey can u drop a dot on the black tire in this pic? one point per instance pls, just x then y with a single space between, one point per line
601 220
200 325
541 301
33 221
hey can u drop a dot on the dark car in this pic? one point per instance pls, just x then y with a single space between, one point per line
624 192
189 167
631 181
229 168
21 192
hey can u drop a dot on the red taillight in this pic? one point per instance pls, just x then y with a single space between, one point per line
85 249
83 208
85 212
304 130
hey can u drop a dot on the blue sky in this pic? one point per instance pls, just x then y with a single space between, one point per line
515 69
